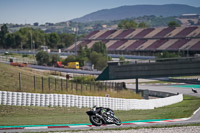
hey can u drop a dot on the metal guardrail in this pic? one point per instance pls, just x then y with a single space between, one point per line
15 59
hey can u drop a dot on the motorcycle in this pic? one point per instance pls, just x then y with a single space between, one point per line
99 116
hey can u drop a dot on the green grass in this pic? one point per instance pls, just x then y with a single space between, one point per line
20 115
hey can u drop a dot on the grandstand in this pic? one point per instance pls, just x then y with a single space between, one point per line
146 41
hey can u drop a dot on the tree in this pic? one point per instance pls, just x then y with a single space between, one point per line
18 40
121 58
70 58
42 58
53 59
3 33
67 39
101 63
38 38
99 60
173 24
10 40
99 47
53 40
127 24
142 25
109 58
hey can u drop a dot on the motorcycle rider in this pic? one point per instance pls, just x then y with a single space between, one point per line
105 112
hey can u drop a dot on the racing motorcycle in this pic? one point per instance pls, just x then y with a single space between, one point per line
99 116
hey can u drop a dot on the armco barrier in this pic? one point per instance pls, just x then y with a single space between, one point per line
65 100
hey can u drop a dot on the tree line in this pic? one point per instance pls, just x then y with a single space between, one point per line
131 24
29 38
97 55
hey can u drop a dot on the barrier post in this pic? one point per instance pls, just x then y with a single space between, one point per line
42 85
76 85
66 86
49 81
34 80
136 85
90 86
20 86
55 83
61 85
81 87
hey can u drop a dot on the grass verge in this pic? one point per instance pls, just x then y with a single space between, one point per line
9 81
20 115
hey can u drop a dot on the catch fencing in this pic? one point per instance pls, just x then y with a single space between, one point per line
66 100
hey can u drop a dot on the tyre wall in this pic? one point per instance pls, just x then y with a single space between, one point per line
65 100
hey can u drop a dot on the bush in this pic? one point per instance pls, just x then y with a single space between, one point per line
42 58
168 55
84 79
25 55
53 59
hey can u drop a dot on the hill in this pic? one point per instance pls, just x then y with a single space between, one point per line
124 12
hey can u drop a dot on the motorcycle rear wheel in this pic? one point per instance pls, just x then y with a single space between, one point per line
95 120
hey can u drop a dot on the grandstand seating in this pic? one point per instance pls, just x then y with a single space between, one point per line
125 45
117 44
196 46
145 44
167 44
154 32
106 34
144 33
84 43
178 44
109 43
175 32
124 33
135 44
91 34
156 44
98 34
164 32
135 32
149 39
189 44
185 32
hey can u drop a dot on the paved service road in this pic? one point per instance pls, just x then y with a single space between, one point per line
65 70
167 88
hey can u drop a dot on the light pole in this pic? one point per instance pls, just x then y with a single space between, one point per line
34 48
31 40
75 29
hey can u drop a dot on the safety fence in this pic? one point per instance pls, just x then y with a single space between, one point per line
65 100
23 82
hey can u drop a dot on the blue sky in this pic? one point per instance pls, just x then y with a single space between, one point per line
42 11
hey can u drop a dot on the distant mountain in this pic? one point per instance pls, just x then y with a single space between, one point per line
138 10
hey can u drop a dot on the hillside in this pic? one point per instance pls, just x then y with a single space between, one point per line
138 10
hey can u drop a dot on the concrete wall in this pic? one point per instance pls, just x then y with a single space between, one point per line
65 100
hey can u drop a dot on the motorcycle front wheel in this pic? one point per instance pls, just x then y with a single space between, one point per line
95 120
117 121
